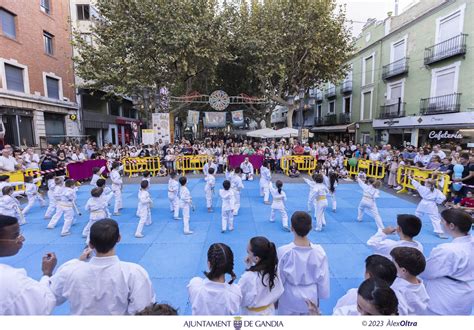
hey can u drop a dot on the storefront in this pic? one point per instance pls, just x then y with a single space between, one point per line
447 137
334 133
18 124
128 130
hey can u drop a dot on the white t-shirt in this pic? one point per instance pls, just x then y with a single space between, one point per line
7 163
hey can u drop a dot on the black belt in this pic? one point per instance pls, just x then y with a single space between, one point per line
454 279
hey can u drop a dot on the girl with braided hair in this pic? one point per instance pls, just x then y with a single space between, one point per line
212 295
260 285
375 297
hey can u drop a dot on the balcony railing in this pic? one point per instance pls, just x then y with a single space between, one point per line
395 110
395 68
346 86
318 121
441 104
451 47
344 118
331 92
331 119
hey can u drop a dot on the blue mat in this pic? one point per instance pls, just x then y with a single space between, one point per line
172 258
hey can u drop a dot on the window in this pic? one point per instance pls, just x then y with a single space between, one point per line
366 105
369 70
395 92
83 12
48 43
52 86
398 50
449 27
8 23
114 108
14 76
332 106
320 111
44 6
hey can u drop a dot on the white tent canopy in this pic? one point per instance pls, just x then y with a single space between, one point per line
261 133
283 133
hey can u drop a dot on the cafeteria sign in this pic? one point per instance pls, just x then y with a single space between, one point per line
444 135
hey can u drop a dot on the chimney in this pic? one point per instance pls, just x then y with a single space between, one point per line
396 7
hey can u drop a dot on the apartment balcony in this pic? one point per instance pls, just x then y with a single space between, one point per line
331 92
441 104
395 110
446 49
318 121
344 118
331 119
346 87
395 68
319 96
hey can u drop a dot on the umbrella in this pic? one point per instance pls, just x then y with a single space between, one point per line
260 133
283 133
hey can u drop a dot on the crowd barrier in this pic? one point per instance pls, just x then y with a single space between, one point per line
191 162
373 169
404 173
256 160
303 163
137 165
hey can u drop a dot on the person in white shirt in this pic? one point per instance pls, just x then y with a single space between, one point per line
260 285
209 188
5 181
66 205
375 155
278 204
449 272
247 170
20 294
367 204
31 192
408 226
210 164
116 187
212 295
98 210
96 174
375 297
237 186
437 152
377 267
227 197
31 160
303 268
185 204
173 190
144 208
410 290
104 285
52 182
78 156
10 206
8 163
430 197
265 180
318 197
107 194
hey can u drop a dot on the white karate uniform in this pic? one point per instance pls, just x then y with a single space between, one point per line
412 298
98 210
227 197
213 298
318 197
257 296
97 176
22 295
367 204
173 189
448 277
206 168
278 204
347 304
102 286
144 210
428 205
247 171
51 199
236 186
209 189
117 189
11 207
331 194
265 179
185 203
382 245
311 184
304 272
11 184
31 192
65 205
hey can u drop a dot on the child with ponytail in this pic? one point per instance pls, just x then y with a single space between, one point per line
367 204
260 285
331 183
212 295
278 204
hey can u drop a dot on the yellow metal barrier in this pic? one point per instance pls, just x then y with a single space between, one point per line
372 169
137 165
16 176
442 181
303 163
191 163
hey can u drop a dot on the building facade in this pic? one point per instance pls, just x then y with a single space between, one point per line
411 80
37 97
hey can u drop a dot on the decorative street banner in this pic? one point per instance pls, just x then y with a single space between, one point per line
193 118
161 127
214 119
238 118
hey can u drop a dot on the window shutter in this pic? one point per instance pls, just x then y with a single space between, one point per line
14 77
53 88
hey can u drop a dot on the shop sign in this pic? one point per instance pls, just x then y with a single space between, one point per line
441 135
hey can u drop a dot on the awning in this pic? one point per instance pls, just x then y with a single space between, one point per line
350 128
127 121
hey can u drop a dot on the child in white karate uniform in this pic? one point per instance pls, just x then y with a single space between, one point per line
247 170
260 285
107 193
331 183
98 210
10 206
146 177
31 192
375 297
212 295
185 204
209 188
430 197
52 182
227 197
116 187
173 190
410 290
96 175
265 180
144 208
303 268
65 206
237 186
367 204
5 181
319 193
449 272
408 226
278 204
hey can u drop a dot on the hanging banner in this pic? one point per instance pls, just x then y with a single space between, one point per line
161 127
238 118
193 118
214 119
148 136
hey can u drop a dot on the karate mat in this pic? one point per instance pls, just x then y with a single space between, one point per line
172 258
